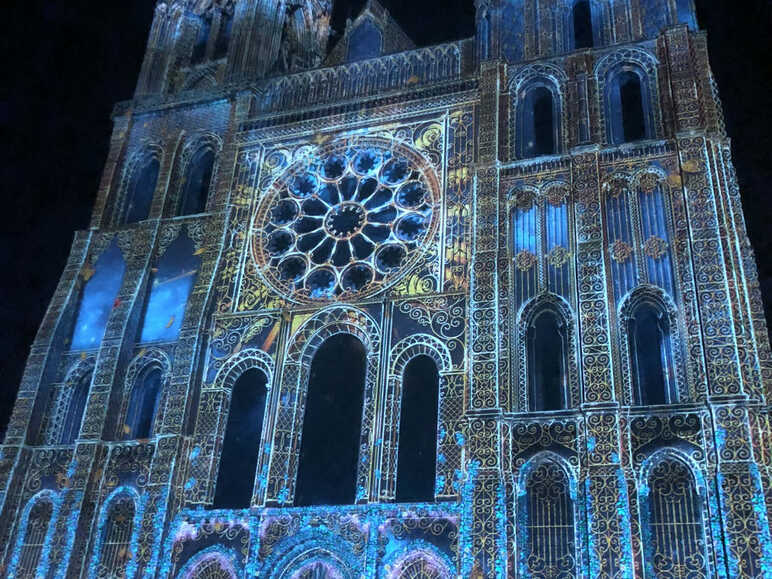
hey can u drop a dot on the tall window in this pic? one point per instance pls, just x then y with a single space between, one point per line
677 545
241 448
548 545
582 24
223 35
34 540
170 288
332 424
75 408
651 357
98 298
547 361
115 552
141 189
198 181
202 39
416 462
627 106
537 133
143 404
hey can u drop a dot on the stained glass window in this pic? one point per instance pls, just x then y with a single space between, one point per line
98 299
170 287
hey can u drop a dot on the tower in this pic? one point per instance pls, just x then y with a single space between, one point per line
479 309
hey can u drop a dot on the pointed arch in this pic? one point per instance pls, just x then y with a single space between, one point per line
215 562
241 446
673 499
196 174
309 550
547 517
419 559
97 298
116 539
139 185
144 388
74 399
652 361
547 354
37 525
301 349
170 286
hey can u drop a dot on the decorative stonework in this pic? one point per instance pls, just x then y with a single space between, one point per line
345 222
621 251
525 260
655 247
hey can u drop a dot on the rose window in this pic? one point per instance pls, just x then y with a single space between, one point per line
350 221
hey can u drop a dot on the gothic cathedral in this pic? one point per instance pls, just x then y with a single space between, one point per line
361 309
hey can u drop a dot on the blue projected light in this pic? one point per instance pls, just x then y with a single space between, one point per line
98 299
170 288
364 42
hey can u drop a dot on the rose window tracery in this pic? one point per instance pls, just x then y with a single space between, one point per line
348 221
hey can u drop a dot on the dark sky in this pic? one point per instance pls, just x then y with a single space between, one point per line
71 60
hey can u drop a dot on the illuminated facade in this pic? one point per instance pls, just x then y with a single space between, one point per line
528 244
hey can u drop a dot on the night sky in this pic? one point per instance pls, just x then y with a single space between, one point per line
71 60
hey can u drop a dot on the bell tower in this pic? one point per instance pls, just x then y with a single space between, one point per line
199 44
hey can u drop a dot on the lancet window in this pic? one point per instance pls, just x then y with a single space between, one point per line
416 459
97 298
241 447
538 120
547 369
143 404
675 525
329 453
141 189
628 109
651 354
197 182
34 537
547 541
115 549
581 19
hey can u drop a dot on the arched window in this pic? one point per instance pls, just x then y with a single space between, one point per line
139 195
417 455
223 35
241 448
364 41
582 24
651 355
115 552
627 108
143 404
33 543
538 132
202 39
198 180
212 567
332 424
548 546
676 530
170 287
547 361
75 408
98 298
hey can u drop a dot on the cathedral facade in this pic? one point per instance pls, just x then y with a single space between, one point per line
364 309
